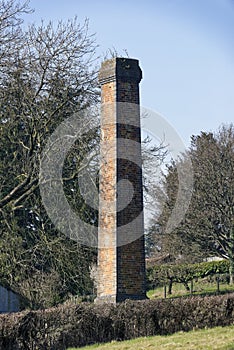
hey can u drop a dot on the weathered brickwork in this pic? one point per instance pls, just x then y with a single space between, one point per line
121 258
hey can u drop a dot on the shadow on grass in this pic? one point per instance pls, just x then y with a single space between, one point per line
200 294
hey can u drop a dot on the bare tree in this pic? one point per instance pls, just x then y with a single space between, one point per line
47 74
11 34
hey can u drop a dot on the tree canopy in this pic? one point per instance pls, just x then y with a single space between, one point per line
208 226
47 73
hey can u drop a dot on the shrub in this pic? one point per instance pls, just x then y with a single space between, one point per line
86 323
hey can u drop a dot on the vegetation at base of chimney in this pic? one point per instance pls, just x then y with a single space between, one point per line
85 323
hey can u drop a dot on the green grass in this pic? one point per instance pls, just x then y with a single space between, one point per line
201 287
219 338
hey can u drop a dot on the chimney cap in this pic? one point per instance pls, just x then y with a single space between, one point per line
120 68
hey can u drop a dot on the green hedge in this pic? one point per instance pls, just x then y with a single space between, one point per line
83 324
183 273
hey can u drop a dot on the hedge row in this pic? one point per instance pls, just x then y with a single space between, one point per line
184 273
79 325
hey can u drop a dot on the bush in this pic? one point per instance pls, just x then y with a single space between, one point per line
83 324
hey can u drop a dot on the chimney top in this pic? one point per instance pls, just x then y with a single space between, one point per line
120 68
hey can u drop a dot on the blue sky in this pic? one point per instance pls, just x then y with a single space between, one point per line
185 49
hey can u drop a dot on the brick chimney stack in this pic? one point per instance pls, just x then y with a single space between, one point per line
121 254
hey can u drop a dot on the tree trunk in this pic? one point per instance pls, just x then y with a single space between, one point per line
191 287
231 271
231 257
217 282
186 286
165 291
170 286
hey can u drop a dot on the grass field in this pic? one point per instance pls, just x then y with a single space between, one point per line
207 339
200 287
